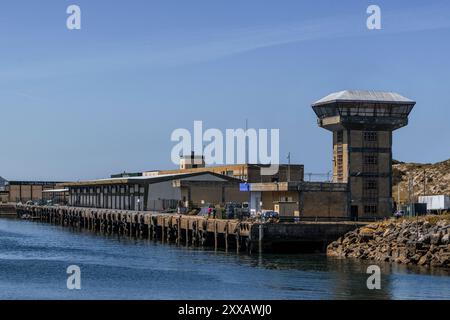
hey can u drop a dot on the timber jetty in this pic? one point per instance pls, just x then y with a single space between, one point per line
228 235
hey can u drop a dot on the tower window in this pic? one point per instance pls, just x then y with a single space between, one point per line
371 136
370 184
370 159
370 209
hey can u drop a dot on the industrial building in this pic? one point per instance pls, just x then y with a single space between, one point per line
244 172
362 123
23 191
157 193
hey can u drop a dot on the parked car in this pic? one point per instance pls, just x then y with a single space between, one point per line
399 214
267 215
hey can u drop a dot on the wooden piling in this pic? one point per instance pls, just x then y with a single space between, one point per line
179 230
226 237
187 232
215 235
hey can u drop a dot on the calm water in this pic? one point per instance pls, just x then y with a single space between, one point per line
34 258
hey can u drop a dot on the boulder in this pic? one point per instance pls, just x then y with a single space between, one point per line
406 241
445 239
436 238
425 239
424 260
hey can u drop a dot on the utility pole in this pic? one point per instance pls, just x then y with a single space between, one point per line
289 168
246 141
410 193
424 182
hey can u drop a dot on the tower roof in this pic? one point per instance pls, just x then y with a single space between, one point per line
364 96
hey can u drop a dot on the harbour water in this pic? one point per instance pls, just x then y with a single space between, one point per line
34 258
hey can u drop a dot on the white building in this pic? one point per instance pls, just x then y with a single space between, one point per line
436 203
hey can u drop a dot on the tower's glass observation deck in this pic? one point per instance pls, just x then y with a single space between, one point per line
355 109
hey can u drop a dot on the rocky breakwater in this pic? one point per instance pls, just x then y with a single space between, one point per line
423 241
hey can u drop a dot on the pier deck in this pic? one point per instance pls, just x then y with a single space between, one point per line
229 235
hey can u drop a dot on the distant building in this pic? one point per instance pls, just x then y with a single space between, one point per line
127 175
244 172
192 161
300 199
23 191
155 193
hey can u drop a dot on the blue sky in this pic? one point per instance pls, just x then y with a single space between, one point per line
104 99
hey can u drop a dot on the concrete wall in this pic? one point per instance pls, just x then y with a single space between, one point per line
323 204
269 198
213 193
311 203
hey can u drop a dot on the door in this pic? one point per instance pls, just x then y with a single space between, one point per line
354 213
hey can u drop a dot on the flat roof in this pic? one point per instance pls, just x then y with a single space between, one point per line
146 179
34 183
364 96
225 166
55 190
298 186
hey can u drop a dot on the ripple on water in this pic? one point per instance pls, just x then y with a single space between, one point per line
34 258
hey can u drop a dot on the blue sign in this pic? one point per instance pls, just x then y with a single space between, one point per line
244 187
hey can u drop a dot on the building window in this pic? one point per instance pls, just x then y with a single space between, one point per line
370 136
370 209
370 159
370 184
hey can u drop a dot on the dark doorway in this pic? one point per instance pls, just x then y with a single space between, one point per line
354 213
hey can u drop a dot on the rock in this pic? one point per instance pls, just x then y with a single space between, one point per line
436 238
425 239
335 244
423 260
407 242
415 258
445 239
433 248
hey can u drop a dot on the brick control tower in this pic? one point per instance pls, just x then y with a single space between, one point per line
362 123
